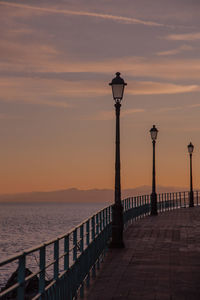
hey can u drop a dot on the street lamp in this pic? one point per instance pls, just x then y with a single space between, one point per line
190 150
117 85
154 132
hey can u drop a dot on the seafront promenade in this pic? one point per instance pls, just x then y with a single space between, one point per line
160 261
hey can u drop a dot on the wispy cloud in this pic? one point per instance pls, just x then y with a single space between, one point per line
184 36
46 58
157 88
132 111
61 93
109 115
194 105
31 91
122 19
167 109
175 51
4 116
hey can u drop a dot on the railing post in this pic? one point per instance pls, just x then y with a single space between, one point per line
88 258
81 238
176 200
81 250
66 251
87 232
103 213
167 195
106 216
21 277
56 259
97 233
75 245
93 238
184 199
42 271
97 224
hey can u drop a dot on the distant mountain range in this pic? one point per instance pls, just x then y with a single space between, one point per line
74 195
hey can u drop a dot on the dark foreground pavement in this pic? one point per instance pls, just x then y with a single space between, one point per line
161 260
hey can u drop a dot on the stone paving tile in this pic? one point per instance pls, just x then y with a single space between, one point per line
161 261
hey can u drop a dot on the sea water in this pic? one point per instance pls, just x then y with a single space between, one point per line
25 225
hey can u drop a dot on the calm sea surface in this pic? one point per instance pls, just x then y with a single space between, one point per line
26 225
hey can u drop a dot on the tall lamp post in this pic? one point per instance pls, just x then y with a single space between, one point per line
154 132
190 150
117 85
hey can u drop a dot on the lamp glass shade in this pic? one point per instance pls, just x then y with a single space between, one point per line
118 91
154 132
118 85
190 148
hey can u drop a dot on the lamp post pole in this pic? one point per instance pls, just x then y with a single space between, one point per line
118 85
191 199
154 212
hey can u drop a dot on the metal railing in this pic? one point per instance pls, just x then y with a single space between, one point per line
71 260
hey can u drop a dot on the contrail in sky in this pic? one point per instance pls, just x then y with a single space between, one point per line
83 13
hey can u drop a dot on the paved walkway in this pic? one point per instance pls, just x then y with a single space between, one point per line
161 260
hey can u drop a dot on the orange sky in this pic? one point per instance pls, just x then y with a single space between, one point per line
57 122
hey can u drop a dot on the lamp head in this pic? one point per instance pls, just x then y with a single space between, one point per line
118 85
190 148
154 132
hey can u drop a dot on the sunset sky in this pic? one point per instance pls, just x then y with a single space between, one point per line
57 121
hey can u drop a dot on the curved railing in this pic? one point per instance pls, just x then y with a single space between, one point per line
63 267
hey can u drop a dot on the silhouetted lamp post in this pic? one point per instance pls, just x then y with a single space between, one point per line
154 132
117 85
190 150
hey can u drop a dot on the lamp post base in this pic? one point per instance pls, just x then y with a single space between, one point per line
154 211
117 226
191 203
